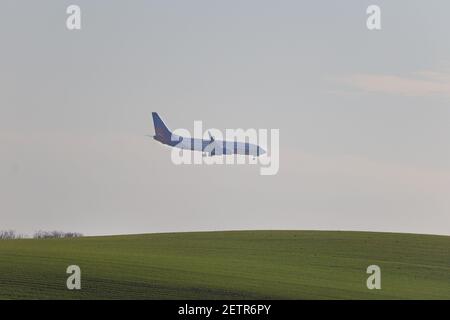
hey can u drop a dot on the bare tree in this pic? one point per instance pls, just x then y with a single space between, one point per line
10 234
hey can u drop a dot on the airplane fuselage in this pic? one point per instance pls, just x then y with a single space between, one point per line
212 147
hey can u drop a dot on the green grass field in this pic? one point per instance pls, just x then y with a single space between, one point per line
229 265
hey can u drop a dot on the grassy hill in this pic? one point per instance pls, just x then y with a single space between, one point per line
229 265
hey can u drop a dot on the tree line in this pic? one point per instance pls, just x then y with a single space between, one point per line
11 234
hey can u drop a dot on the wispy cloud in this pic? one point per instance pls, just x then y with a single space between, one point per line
424 83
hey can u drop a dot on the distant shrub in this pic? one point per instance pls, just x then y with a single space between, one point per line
72 235
55 235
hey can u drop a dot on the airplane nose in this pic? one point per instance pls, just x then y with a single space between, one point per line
261 151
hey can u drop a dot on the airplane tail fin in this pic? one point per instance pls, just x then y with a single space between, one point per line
161 130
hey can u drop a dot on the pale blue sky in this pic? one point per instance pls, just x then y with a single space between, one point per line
364 117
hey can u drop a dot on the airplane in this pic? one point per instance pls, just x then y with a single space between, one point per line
209 147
